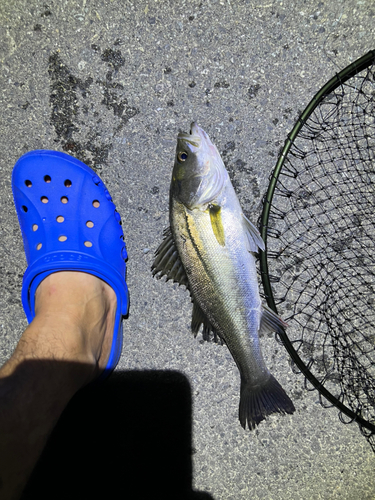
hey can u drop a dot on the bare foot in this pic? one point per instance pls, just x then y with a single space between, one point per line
65 347
74 321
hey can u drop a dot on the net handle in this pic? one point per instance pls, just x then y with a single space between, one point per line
341 77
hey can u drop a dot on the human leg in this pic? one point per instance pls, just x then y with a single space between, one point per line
74 295
65 347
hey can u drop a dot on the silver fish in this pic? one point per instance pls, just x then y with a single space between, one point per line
210 248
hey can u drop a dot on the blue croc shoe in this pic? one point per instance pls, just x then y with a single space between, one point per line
69 223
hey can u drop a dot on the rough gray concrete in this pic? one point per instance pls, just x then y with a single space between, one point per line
112 82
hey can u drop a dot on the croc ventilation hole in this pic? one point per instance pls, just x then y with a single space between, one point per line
90 225
59 218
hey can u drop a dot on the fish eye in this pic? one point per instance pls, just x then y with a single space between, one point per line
182 156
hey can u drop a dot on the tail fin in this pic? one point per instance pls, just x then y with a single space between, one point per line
257 403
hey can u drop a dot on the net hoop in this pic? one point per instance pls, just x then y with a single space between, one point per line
335 82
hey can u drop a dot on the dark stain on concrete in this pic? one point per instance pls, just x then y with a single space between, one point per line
67 90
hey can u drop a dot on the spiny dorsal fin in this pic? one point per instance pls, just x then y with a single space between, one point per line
254 238
167 261
270 321
198 319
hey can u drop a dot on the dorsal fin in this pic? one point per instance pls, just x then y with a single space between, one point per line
167 261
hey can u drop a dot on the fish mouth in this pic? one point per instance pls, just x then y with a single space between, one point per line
197 139
194 137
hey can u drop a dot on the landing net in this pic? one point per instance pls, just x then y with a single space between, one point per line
318 222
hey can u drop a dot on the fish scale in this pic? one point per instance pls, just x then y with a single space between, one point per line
210 248
223 293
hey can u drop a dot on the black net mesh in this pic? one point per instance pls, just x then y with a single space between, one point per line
319 223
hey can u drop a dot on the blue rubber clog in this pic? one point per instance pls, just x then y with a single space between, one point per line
69 223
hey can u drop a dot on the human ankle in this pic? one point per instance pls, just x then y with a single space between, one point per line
77 311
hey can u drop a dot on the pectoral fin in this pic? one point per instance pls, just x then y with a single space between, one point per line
217 224
167 261
254 239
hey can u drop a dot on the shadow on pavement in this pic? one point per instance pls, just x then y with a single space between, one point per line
130 437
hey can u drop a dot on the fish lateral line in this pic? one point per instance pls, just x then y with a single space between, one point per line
212 261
